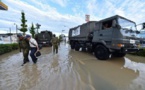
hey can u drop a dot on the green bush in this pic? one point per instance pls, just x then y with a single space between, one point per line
15 46
4 48
140 53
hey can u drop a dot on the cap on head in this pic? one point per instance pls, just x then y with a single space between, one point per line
27 36
19 35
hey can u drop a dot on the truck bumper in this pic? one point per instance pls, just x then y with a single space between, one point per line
129 50
45 44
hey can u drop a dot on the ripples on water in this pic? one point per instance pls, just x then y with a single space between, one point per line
139 82
59 72
53 72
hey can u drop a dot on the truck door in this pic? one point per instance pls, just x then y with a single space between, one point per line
105 33
96 32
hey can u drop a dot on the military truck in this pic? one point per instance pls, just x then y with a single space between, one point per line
44 38
115 36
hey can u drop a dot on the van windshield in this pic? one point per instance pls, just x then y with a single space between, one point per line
126 24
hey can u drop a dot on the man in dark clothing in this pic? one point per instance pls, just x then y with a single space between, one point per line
55 43
24 46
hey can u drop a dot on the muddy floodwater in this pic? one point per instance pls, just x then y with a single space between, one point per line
71 70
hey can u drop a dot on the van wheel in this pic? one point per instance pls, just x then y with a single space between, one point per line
77 47
101 52
117 54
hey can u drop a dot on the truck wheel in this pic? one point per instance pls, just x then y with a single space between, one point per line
90 50
77 47
83 49
72 46
50 44
101 52
116 54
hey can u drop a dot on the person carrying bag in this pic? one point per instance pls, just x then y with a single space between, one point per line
34 48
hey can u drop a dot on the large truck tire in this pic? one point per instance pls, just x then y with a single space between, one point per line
90 50
77 47
72 46
101 52
83 49
50 44
117 54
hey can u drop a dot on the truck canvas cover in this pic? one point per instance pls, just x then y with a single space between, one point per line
82 31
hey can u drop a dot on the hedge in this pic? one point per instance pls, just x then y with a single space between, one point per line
140 53
4 48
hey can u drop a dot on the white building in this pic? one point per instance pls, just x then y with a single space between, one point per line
5 38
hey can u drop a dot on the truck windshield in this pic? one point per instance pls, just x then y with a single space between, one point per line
126 24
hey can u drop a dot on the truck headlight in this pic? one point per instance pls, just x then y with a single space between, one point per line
120 45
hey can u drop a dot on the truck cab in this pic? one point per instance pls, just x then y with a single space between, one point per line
117 35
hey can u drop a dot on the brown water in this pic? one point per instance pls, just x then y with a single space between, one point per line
71 70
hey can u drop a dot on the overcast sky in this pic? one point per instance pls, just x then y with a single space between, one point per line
58 15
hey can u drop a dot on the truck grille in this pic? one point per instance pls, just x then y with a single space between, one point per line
130 46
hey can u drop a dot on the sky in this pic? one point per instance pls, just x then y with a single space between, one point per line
60 15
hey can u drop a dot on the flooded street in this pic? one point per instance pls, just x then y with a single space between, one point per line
71 70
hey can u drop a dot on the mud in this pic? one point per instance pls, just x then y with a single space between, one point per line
71 70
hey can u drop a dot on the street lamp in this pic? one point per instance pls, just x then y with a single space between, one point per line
16 28
10 34
37 26
62 31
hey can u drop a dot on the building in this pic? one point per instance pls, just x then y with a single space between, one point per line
3 6
8 38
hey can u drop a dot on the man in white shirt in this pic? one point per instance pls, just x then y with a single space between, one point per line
33 46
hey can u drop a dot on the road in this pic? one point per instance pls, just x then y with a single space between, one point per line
71 70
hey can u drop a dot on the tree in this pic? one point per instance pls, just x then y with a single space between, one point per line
32 30
60 37
23 25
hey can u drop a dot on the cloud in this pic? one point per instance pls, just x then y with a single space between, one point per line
132 9
48 17
50 14
62 3
91 7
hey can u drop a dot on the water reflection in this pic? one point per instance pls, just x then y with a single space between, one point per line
139 82
30 77
69 70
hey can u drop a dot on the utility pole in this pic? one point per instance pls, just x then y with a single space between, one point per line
10 36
